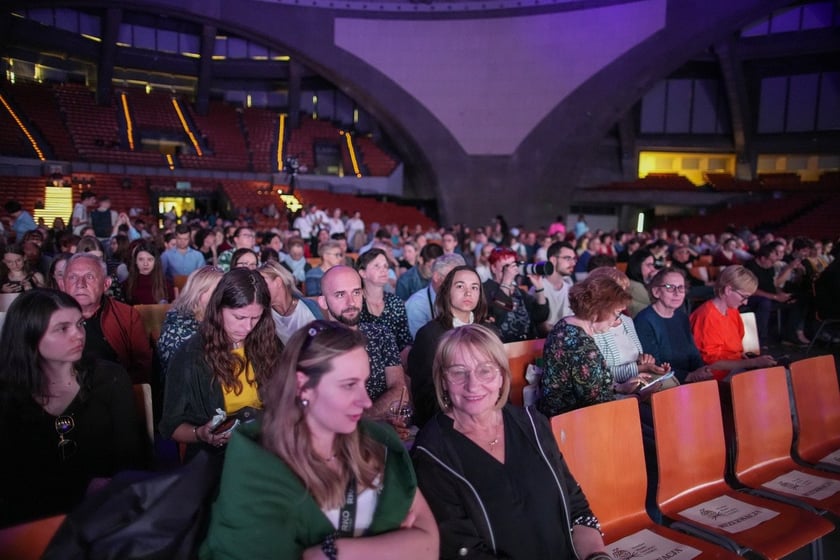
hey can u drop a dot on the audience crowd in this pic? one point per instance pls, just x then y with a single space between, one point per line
343 340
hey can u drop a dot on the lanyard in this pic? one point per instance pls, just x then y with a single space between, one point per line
431 305
347 513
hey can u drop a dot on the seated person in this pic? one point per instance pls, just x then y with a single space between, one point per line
769 295
619 344
461 302
187 311
379 306
515 312
146 283
224 365
717 327
419 275
64 420
342 298
114 330
295 260
420 307
664 331
640 269
15 275
289 309
575 373
492 473
286 484
331 255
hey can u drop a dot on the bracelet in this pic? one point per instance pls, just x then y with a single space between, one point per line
195 433
540 290
588 521
328 547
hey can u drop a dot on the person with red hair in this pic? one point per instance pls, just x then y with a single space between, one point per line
513 310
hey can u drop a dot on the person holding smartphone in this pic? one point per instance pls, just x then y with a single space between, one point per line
224 365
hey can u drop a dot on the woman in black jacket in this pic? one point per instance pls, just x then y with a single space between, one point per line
492 472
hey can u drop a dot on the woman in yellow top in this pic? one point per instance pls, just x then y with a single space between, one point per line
224 365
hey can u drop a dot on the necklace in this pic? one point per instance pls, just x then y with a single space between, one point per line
285 312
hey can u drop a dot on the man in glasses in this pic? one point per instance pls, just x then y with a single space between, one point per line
562 255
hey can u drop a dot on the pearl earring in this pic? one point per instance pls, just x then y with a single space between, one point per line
304 402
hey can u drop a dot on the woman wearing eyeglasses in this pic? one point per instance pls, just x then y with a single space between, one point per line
717 327
620 345
492 473
575 373
316 481
63 420
664 331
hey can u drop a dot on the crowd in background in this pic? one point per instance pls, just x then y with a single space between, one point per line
252 294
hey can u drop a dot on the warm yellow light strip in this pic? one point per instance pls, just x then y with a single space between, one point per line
128 123
23 128
280 136
170 161
58 201
187 127
352 155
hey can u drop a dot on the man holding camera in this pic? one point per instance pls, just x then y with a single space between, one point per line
515 312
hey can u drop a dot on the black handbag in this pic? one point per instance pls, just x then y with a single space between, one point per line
163 516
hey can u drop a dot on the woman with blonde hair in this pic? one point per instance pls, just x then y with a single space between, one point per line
318 481
289 309
717 326
492 472
187 311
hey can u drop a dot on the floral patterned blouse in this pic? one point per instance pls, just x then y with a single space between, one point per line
575 373
393 318
177 328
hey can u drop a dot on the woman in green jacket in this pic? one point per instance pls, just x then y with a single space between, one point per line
317 481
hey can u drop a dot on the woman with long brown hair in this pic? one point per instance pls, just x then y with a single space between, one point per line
223 366
317 481
146 283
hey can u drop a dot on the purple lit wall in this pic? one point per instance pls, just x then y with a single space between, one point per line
491 81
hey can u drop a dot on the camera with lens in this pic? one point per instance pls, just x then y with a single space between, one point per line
542 268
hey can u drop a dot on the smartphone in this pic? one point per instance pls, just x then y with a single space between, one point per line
225 425
647 387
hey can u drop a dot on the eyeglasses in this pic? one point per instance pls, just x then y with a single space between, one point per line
457 375
673 288
66 447
743 297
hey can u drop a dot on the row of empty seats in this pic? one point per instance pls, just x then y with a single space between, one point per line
70 123
697 482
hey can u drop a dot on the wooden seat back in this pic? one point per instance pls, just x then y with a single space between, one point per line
602 445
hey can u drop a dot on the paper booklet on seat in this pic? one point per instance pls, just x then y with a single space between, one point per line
728 514
647 545
804 485
832 458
